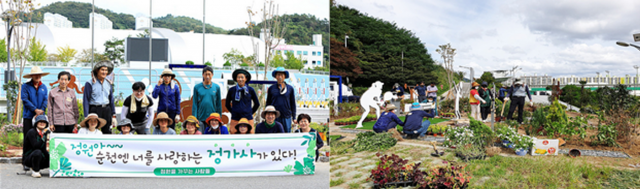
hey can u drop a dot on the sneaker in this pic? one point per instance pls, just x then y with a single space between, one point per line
35 174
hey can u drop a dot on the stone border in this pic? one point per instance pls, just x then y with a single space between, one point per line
12 160
598 153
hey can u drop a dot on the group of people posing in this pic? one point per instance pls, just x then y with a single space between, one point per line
62 113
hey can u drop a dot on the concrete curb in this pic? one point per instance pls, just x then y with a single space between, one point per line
12 160
427 138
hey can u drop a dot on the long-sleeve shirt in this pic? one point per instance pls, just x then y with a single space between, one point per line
33 98
262 128
141 115
221 130
502 92
63 107
157 131
399 91
414 120
243 107
34 141
169 100
383 123
434 89
513 90
90 96
284 103
422 90
206 100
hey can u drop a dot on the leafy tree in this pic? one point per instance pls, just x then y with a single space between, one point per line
208 63
185 24
85 56
261 65
37 53
486 76
3 50
189 62
233 57
343 61
66 54
293 62
114 50
226 64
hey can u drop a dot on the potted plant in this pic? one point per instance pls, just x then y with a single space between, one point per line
470 152
450 175
523 144
393 171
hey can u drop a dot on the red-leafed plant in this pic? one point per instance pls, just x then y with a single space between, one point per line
394 169
450 175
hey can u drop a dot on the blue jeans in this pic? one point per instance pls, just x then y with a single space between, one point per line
286 124
423 129
391 125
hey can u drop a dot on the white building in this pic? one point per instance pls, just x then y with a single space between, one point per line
142 21
56 21
311 55
101 21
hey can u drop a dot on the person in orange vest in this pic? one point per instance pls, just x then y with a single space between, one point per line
474 100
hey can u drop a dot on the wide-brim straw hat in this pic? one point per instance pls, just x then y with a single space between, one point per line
390 107
280 69
99 65
168 71
270 109
475 84
242 71
162 115
214 116
191 119
244 122
101 122
35 71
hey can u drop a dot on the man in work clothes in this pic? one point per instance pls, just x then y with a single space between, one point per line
282 96
34 101
98 95
517 93
413 123
206 98
422 92
169 93
432 91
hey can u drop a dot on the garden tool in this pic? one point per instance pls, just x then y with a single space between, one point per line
502 118
436 154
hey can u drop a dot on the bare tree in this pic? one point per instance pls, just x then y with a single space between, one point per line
16 13
273 28
447 53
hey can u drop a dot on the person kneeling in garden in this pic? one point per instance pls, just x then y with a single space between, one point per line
414 124
161 124
35 146
243 126
125 127
270 125
90 125
303 121
215 125
191 126
388 120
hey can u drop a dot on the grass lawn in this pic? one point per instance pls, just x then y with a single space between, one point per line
547 172
369 125
334 137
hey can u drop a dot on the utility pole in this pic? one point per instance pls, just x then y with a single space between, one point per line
93 21
636 84
203 30
345 40
150 37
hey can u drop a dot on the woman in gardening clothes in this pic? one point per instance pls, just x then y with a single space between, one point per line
486 95
215 126
63 106
35 146
125 127
243 127
388 120
91 125
191 126
303 121
161 124
240 98
474 100
168 94
270 125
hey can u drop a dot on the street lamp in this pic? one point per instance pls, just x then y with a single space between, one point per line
345 40
608 77
10 23
623 44
598 79
636 84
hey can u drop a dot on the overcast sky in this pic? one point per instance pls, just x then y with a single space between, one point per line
555 37
227 14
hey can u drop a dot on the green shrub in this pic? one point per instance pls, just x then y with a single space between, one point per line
370 141
189 62
208 63
227 64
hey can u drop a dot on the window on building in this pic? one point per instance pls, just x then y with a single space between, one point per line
313 62
319 63
313 53
305 53
299 52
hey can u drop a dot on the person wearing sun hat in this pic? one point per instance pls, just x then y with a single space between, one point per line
125 127
35 146
161 124
240 98
98 94
518 92
168 94
282 96
34 99
270 125
138 108
487 96
413 123
243 127
191 126
388 120
207 97
91 125
215 126
474 100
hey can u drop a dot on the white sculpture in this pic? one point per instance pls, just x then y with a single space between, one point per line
371 98
458 89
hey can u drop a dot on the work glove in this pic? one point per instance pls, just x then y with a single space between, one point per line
506 99
177 118
531 103
484 102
